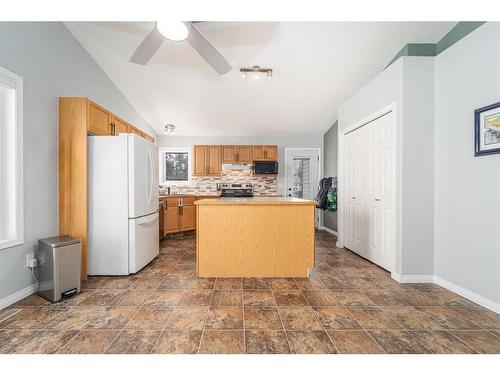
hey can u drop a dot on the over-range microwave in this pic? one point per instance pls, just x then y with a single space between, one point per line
265 167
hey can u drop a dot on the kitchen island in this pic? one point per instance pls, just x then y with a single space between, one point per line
254 237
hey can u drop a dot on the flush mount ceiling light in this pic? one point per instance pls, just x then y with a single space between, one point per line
256 71
176 31
169 129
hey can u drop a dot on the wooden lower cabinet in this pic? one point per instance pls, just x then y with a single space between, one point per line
188 217
171 219
179 214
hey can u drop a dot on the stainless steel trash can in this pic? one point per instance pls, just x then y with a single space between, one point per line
59 267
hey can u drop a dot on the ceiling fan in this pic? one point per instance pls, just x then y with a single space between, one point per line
180 31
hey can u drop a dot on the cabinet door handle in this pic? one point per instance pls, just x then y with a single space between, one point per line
113 132
353 197
377 199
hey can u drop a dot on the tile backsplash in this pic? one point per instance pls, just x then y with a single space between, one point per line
207 184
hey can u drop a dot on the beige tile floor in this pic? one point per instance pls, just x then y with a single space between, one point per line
348 305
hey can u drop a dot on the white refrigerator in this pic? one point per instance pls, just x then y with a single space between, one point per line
123 204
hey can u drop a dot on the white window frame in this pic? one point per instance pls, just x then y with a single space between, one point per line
163 150
13 81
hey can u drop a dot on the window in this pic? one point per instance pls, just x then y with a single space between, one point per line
175 166
11 163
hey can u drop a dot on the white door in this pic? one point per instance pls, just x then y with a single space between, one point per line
143 176
143 241
302 174
369 191
355 215
380 190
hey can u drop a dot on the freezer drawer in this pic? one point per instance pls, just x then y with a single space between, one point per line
143 241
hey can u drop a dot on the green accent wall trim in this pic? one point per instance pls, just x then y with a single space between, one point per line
461 30
458 32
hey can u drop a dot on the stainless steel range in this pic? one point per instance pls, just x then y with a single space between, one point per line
236 190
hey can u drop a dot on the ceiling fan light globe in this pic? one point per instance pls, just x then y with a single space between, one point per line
176 31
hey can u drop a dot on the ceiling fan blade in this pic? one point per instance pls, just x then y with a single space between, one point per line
148 47
208 51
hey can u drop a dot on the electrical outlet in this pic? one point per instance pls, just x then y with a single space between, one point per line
31 261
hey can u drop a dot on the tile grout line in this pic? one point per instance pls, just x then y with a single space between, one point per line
206 318
281 320
243 318
171 312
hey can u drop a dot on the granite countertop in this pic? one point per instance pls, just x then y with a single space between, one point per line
256 201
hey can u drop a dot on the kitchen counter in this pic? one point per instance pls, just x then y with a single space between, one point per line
254 237
259 200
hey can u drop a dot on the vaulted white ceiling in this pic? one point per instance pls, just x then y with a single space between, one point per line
316 67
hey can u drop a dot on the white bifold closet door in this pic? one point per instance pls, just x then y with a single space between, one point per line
369 191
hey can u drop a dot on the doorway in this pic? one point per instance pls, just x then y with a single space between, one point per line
302 173
369 190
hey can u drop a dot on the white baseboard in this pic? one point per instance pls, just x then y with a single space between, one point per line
412 278
474 297
19 295
339 244
326 229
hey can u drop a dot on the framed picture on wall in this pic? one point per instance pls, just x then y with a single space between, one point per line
487 130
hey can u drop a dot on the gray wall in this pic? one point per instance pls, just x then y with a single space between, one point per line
52 64
407 83
282 142
330 144
467 242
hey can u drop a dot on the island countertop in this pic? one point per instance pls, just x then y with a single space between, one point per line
255 237
256 201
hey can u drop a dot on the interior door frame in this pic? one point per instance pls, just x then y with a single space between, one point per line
320 173
397 155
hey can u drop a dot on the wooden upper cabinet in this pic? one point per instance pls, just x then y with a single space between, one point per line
243 154
259 153
265 153
228 154
214 161
148 137
99 120
236 154
271 152
118 126
134 130
207 161
199 163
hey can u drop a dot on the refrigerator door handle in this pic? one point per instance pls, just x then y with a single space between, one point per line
150 178
147 219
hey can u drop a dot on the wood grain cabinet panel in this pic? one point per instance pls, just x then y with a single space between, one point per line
171 223
228 154
271 153
188 217
118 126
214 161
199 161
265 153
207 161
99 120
134 130
243 154
259 153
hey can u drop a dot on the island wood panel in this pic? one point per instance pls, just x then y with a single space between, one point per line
73 114
262 240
